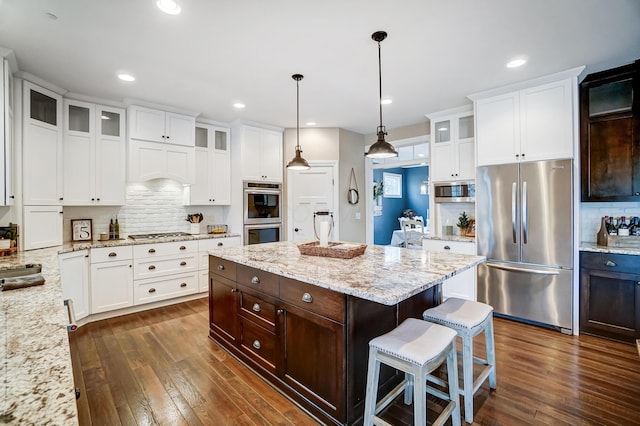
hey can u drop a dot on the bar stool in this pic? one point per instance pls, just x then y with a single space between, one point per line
417 348
469 319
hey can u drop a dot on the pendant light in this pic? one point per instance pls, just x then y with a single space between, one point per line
298 163
382 148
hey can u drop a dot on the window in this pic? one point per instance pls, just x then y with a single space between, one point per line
392 185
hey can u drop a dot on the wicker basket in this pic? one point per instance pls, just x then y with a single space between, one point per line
335 249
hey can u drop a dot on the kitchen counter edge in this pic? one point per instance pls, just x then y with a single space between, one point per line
595 248
458 238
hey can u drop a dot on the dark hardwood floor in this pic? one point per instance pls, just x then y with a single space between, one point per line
159 367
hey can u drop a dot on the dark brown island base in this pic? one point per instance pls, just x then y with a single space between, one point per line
304 323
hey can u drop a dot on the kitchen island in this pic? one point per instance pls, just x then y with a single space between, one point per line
304 322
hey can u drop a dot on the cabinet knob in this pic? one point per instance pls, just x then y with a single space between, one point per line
183 285
168 137
220 267
152 290
151 267
220 244
517 155
234 290
610 263
183 248
280 311
256 307
256 344
113 254
636 194
447 248
93 199
213 199
152 250
307 298
13 196
163 136
183 263
296 229
255 280
97 199
61 198
523 154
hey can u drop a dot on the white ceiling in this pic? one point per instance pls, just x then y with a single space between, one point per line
218 52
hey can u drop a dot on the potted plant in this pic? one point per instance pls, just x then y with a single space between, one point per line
378 190
463 223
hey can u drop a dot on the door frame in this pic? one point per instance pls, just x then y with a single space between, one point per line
336 199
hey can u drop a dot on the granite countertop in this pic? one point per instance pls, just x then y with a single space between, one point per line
458 238
37 378
383 274
593 247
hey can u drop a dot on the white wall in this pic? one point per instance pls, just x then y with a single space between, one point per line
448 213
591 214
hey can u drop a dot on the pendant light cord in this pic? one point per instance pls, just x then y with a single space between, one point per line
297 115
380 83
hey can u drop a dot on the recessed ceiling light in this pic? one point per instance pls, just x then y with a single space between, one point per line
515 63
170 7
126 77
386 101
310 123
239 105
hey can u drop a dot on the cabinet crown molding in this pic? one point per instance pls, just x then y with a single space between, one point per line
139 102
450 111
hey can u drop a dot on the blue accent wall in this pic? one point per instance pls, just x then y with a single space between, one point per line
392 208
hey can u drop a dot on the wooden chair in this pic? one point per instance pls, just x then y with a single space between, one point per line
413 233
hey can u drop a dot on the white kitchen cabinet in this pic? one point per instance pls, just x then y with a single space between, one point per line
42 146
452 145
7 195
42 227
74 274
530 124
152 160
212 184
462 285
203 253
159 126
261 154
94 155
111 278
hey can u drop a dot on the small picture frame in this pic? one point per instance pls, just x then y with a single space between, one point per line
81 230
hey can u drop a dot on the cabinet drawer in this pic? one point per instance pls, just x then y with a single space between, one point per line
222 267
165 249
258 310
214 243
111 254
258 280
258 343
449 246
147 268
610 262
152 290
319 300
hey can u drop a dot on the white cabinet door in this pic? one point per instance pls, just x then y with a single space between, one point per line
78 146
74 274
199 191
111 286
42 146
180 129
212 181
498 129
442 162
110 157
221 178
179 163
42 227
452 145
146 124
252 154
7 194
272 156
146 160
546 122
461 285
466 160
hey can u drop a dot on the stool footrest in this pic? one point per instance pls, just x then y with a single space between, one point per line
481 378
384 402
444 416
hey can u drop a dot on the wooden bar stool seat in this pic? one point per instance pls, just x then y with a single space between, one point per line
417 348
469 319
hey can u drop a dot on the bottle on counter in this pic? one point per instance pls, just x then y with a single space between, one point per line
635 228
111 230
611 227
116 229
623 228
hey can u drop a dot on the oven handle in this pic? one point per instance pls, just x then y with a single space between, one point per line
262 192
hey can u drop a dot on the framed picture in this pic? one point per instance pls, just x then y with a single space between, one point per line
392 185
81 230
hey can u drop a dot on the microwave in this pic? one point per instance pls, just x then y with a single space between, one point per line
454 192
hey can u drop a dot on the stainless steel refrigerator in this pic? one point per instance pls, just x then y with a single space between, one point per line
524 227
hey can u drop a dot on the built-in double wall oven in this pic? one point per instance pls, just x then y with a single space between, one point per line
262 212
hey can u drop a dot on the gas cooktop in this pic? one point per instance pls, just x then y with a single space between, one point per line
158 235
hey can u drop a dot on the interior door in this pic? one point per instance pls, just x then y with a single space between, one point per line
311 191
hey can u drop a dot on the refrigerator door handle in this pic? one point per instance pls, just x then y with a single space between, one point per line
525 212
514 189
517 269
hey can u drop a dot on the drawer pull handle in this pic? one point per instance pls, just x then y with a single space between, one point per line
152 250
113 254
183 285
256 344
220 244
447 248
183 263
152 290
281 311
183 248
610 263
151 267
220 267
307 298
256 307
255 280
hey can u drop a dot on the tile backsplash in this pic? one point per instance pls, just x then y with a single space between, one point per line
591 214
152 206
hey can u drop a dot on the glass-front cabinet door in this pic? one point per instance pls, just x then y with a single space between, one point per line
443 131
43 108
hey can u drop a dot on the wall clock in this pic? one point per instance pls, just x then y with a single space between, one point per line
81 230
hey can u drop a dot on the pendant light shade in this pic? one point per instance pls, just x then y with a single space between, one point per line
382 148
298 163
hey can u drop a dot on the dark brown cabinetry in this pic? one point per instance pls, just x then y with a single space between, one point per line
610 295
610 134
310 342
